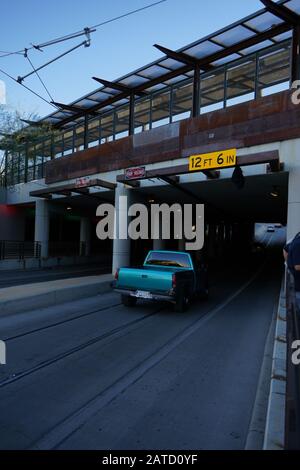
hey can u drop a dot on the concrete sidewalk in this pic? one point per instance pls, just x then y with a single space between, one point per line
19 299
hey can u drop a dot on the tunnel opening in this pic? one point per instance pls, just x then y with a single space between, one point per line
231 214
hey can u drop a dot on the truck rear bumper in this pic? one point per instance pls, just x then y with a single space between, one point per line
152 295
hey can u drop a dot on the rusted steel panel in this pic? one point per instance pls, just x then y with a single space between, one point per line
158 145
271 157
262 121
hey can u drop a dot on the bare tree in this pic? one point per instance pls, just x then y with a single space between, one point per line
16 135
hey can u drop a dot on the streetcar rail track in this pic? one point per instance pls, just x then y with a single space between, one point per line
77 317
59 357
48 362
58 434
53 325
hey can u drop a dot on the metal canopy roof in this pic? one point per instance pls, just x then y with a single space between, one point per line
255 32
68 189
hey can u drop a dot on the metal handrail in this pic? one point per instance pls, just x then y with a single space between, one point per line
292 422
19 250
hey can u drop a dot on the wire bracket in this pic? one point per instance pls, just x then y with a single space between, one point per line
87 32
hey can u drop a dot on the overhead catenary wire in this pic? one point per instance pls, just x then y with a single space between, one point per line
27 88
20 79
6 54
128 14
85 31
93 28
40 78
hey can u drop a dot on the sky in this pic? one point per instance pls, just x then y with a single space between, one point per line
116 49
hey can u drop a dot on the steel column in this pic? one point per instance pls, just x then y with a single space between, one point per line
74 139
86 132
296 54
257 74
225 86
196 92
52 152
131 113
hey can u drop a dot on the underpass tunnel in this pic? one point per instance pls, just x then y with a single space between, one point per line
66 225
230 214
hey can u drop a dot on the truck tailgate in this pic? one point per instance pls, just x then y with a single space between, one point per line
157 280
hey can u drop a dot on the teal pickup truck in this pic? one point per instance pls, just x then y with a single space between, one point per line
165 275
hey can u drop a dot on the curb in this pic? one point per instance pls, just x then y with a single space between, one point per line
256 431
275 424
54 296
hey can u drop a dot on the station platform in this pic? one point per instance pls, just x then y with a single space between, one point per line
33 296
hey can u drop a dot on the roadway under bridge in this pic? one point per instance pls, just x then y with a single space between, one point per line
94 374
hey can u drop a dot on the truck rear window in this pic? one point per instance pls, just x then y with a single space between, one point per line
178 260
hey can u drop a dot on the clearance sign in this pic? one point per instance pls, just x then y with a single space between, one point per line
213 161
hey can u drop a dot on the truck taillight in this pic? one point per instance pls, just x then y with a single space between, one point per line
117 275
173 281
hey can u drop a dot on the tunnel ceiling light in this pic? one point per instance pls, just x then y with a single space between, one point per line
69 208
238 178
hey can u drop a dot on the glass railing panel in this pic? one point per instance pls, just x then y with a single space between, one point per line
274 71
107 128
122 122
142 115
182 101
241 82
161 109
212 92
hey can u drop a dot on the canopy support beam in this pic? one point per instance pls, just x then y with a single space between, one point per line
282 12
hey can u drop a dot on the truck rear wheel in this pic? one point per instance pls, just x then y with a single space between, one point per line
128 301
182 302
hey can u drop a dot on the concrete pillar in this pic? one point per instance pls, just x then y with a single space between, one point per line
290 154
85 236
121 246
42 219
293 226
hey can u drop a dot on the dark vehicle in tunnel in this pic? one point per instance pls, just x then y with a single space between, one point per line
170 276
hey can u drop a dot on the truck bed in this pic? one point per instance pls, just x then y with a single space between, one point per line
158 279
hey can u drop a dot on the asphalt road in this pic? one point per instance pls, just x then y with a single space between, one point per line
93 374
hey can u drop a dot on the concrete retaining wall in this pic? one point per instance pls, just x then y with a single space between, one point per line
20 299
